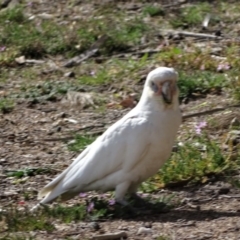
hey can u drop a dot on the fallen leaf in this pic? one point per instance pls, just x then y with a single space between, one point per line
128 102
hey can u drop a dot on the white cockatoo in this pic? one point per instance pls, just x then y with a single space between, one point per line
128 152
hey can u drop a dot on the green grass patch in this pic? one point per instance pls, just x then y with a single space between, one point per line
6 105
200 82
163 238
47 90
191 16
16 221
92 209
22 36
113 71
27 39
194 162
14 14
153 11
80 142
28 172
196 59
16 237
101 76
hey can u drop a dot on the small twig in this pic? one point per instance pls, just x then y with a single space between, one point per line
208 112
47 110
205 232
57 139
190 223
89 53
204 200
228 196
199 35
197 207
34 61
71 234
128 54
176 4
106 236
193 34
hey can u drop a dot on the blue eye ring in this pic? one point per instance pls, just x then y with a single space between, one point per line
154 86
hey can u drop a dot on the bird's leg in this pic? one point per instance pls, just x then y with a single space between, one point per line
120 192
133 192
136 197
37 206
133 195
122 202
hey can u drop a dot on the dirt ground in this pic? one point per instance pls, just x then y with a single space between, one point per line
35 136
207 212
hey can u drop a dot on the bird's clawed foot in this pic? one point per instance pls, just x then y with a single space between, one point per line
127 206
138 201
37 207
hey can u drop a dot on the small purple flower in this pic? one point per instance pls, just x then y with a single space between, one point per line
102 196
2 48
202 67
223 66
199 126
111 202
144 195
92 73
82 194
90 207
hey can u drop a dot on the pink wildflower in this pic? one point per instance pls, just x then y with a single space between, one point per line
199 126
90 207
82 194
223 66
2 49
111 202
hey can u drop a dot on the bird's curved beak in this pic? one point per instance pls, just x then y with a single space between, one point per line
167 92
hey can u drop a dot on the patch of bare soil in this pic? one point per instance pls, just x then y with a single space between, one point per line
31 137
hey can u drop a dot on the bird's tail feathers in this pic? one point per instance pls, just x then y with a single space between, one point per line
56 188
52 190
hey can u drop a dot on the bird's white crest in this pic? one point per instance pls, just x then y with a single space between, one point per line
162 73
131 150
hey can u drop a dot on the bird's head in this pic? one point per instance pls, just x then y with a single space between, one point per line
161 84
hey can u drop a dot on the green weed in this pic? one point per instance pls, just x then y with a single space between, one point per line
27 172
80 143
48 90
6 105
15 14
200 82
36 40
163 238
153 11
191 16
24 221
16 237
101 76
198 159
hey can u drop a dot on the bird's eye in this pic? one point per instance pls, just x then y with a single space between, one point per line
154 86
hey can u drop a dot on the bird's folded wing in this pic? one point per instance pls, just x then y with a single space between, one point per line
119 148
